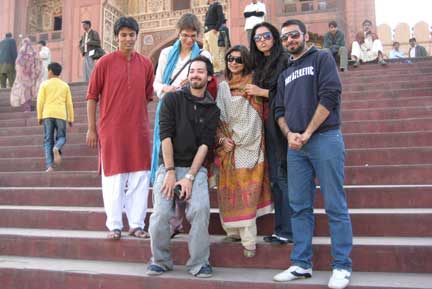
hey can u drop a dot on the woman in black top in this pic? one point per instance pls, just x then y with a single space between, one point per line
270 59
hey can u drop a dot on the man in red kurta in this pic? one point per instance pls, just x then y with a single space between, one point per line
122 83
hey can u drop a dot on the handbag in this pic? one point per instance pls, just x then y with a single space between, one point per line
97 53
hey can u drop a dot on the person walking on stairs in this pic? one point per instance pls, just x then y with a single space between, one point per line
54 109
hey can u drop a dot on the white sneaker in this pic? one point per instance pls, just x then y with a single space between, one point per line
339 279
292 273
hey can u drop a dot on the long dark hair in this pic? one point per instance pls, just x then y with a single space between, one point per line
265 66
245 56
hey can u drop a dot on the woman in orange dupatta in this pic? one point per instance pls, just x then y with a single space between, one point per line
243 186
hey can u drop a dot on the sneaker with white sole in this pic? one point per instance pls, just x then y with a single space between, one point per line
292 273
339 279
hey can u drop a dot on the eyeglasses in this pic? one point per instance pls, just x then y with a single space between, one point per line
238 59
295 34
184 36
263 36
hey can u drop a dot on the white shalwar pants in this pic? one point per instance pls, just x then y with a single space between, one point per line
128 191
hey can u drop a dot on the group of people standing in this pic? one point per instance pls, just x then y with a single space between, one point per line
272 124
23 70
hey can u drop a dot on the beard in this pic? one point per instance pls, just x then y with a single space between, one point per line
298 49
198 84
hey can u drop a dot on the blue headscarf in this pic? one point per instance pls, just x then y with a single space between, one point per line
172 59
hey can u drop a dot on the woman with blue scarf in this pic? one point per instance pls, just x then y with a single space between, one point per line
171 75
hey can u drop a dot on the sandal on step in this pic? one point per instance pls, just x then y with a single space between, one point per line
249 253
139 233
114 235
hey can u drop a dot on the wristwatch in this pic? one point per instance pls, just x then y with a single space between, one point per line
190 177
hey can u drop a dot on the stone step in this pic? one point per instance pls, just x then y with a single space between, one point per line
410 255
387 113
395 73
28 151
35 273
370 88
378 94
352 140
75 160
69 163
400 125
388 156
386 222
388 102
378 197
377 79
388 139
354 175
13 121
416 123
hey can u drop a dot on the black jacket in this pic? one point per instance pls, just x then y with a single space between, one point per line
334 42
93 43
214 17
8 51
267 78
190 122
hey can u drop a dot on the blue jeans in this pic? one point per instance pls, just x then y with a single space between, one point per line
50 126
322 157
279 189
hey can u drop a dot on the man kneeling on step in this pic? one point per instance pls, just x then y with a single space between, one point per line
187 121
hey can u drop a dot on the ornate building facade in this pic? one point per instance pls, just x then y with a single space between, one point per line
59 21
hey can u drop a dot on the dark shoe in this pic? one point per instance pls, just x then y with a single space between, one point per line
274 239
206 271
356 64
154 270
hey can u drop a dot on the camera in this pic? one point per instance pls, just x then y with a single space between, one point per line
177 191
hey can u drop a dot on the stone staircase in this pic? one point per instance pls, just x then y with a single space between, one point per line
52 232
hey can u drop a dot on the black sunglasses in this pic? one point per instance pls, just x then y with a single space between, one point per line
238 59
263 36
295 34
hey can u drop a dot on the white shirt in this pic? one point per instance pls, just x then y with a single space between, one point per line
254 20
45 55
162 63
412 51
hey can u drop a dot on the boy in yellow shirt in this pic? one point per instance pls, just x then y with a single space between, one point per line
54 108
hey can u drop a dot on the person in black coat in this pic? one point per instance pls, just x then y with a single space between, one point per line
270 59
8 55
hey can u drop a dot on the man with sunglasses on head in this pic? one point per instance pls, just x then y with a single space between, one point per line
308 103
334 42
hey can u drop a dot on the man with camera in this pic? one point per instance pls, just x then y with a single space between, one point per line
89 43
188 119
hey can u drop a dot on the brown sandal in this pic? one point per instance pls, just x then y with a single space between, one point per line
139 233
114 235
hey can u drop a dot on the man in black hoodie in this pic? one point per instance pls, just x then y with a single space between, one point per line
308 102
188 119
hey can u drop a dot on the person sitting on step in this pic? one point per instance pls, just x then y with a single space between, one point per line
187 123
367 47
